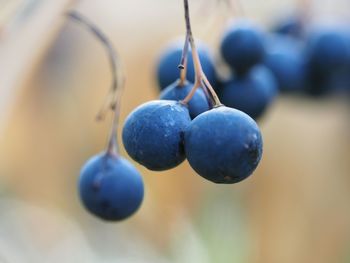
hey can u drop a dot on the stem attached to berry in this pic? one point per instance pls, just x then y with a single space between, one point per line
112 147
112 101
200 77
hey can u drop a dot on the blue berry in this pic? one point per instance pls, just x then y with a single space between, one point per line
284 59
223 145
197 105
153 134
167 67
327 51
110 187
251 93
242 47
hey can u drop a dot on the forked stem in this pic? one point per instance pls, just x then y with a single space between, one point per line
113 100
199 74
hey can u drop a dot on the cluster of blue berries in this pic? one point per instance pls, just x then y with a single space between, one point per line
250 87
222 144
221 141
313 60
290 58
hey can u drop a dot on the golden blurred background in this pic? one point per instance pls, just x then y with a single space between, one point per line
54 77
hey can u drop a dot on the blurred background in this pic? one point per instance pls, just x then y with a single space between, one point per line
53 79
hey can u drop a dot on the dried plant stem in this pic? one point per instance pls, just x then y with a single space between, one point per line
200 77
113 98
184 61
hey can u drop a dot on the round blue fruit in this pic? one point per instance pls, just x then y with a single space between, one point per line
110 187
242 47
327 51
223 145
284 58
252 93
197 105
167 66
153 134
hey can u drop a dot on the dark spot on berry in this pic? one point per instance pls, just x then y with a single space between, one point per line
182 143
253 152
105 204
95 186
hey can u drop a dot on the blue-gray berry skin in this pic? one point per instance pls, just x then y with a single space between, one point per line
242 47
284 58
252 93
197 105
327 53
153 134
167 66
223 145
110 187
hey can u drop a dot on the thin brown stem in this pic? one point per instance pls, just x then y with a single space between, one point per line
184 62
112 147
215 97
199 74
207 95
112 101
191 93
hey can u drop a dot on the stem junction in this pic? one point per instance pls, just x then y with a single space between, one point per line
200 77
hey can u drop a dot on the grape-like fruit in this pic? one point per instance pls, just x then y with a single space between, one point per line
223 145
251 93
284 58
242 46
110 187
153 134
327 52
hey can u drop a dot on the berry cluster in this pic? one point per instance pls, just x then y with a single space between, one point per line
290 58
222 144
313 60
251 86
